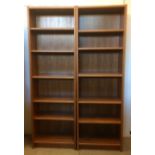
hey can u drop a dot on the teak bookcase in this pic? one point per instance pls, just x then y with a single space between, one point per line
77 75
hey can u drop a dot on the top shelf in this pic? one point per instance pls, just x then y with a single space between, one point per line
51 10
109 9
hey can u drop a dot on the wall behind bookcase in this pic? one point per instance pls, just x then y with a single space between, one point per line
127 104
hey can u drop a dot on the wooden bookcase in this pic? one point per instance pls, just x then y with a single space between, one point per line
77 75
53 76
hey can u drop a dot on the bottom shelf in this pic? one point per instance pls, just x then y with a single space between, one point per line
99 142
54 140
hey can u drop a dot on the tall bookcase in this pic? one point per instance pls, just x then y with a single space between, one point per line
77 75
101 44
53 76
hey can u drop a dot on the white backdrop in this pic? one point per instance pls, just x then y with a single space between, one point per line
127 106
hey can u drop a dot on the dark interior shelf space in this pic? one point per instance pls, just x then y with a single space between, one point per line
100 40
54 140
52 41
101 88
99 111
99 142
52 18
55 88
100 62
54 109
54 128
53 65
103 17
99 131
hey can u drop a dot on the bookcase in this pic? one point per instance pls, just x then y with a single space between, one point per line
101 39
53 76
77 75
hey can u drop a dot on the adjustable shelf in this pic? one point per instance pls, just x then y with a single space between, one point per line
55 140
99 121
51 52
102 49
52 100
99 75
52 77
99 142
101 31
53 30
99 101
53 117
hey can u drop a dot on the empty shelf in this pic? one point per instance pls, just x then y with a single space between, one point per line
103 49
99 121
53 117
51 51
52 77
99 101
101 31
99 142
52 29
100 75
52 100
53 140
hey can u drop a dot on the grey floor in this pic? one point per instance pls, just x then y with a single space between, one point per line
28 150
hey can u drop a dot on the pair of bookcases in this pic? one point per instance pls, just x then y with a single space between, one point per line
77 74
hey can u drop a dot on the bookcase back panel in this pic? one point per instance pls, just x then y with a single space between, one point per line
99 131
53 64
54 88
104 88
101 21
100 62
107 40
55 42
99 111
54 109
54 128
55 21
52 18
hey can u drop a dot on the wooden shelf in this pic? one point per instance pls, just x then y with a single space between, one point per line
53 140
67 77
52 100
99 142
105 49
52 30
53 117
100 75
100 31
99 101
51 52
99 121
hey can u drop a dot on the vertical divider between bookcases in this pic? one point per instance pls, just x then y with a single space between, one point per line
77 80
